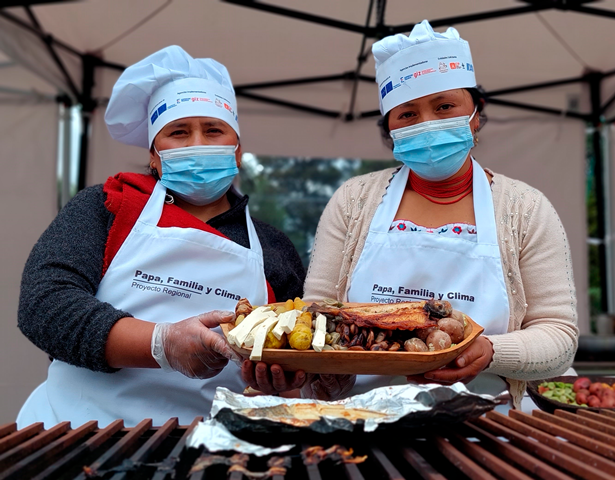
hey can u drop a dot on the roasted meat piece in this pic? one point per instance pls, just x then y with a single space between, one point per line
243 307
395 316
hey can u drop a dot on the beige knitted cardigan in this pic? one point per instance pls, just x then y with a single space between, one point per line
542 332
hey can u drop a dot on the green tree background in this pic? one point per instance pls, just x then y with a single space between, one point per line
291 193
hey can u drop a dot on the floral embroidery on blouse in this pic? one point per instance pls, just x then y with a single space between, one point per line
452 230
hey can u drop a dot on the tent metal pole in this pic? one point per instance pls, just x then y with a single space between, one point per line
594 80
592 11
536 108
302 81
88 104
114 66
536 86
605 139
369 114
363 56
295 81
54 55
384 30
53 40
293 105
446 22
67 130
607 104
329 22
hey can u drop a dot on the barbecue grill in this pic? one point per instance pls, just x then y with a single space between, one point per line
516 446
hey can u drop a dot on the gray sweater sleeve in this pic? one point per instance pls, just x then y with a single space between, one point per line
58 310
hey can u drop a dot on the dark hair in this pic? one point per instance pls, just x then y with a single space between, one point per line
153 172
479 98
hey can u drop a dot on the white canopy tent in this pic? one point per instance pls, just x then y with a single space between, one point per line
304 78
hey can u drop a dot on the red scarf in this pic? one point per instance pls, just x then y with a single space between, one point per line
127 194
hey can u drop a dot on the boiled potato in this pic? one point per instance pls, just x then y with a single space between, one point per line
415 345
438 340
453 328
290 305
239 319
305 318
460 317
299 304
272 342
422 333
301 337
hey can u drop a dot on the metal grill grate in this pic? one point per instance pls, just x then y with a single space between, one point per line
516 446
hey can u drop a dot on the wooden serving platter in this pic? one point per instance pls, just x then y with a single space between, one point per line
361 362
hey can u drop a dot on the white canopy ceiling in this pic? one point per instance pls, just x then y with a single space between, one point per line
257 46
43 51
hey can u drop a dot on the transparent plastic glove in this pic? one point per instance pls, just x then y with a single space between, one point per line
191 347
328 387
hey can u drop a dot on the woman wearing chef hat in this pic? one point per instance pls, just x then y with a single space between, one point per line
442 226
126 287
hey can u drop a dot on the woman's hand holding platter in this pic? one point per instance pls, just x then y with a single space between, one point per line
464 368
191 347
270 379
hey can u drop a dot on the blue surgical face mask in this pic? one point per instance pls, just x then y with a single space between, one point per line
200 174
434 150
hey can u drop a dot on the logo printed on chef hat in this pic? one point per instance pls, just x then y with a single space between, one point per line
420 64
166 86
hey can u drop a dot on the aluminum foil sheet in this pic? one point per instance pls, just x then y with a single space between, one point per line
216 438
405 406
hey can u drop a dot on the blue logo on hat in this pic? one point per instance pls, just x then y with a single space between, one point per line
386 89
470 67
162 108
154 117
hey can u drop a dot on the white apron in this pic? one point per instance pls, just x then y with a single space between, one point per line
159 275
410 267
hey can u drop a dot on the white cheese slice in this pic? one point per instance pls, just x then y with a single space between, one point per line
318 341
238 334
249 341
260 336
286 323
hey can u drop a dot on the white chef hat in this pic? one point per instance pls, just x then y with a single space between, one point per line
422 63
164 87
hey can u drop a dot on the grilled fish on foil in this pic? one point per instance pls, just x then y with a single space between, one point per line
304 414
